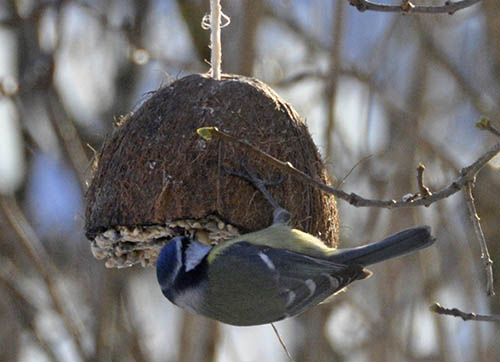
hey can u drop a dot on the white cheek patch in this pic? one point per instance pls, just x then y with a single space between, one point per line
178 256
267 261
195 254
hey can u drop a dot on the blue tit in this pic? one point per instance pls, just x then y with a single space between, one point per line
271 274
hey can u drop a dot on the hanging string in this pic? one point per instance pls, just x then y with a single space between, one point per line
212 21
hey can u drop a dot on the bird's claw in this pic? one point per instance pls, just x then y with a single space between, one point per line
280 215
250 176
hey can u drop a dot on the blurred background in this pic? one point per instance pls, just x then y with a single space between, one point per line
382 91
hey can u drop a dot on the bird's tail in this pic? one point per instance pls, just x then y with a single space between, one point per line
404 242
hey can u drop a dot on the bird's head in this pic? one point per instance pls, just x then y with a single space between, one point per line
169 262
178 257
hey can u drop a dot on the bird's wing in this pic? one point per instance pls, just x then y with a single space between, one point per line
306 280
301 280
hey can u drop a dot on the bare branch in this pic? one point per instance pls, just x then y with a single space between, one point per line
485 124
282 343
24 306
407 7
364 159
36 252
485 255
466 174
455 312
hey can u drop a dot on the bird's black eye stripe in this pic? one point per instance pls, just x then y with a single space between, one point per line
184 246
193 278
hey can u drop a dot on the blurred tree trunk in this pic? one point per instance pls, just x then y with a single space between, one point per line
492 16
252 12
199 339
314 344
192 12
128 72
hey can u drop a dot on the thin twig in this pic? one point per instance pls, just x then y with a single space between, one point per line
437 308
485 255
485 124
364 159
282 343
424 190
332 80
466 174
406 7
43 264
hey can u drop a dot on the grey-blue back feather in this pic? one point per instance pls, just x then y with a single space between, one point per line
401 243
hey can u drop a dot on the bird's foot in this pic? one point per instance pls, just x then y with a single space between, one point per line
280 215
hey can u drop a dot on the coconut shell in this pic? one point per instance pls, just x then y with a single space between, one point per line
155 169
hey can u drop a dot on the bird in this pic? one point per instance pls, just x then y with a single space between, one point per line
271 274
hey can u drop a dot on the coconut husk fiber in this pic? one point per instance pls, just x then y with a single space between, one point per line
155 172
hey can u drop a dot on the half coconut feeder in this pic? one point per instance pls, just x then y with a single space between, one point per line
156 178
